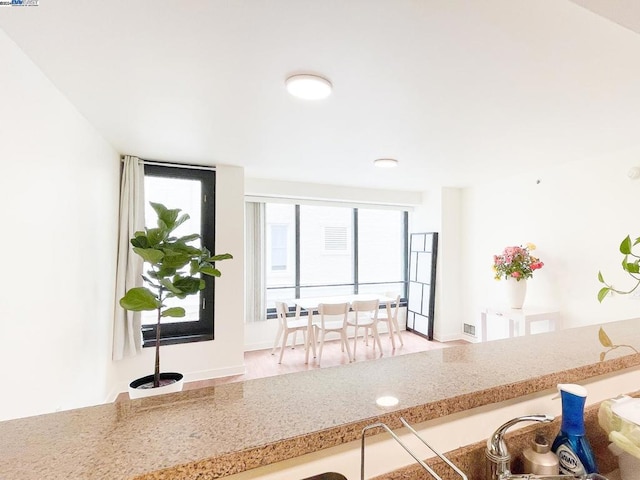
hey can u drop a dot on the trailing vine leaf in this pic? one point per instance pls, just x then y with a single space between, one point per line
605 341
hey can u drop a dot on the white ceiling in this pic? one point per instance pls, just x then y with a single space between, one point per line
458 91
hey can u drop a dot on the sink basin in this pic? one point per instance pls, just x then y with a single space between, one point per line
327 476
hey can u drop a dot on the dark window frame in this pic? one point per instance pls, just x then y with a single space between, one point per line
271 312
203 329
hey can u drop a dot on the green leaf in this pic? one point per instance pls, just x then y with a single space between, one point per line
604 291
150 255
600 278
188 238
173 259
138 299
165 272
183 218
194 267
187 285
166 283
211 271
222 256
632 267
156 236
173 312
605 341
140 240
625 246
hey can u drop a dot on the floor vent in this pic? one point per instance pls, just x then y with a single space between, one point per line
470 329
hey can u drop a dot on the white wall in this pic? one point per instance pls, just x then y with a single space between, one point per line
59 189
577 215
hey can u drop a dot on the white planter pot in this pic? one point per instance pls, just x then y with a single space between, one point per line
175 386
516 292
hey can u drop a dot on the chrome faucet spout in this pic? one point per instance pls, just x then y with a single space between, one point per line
498 458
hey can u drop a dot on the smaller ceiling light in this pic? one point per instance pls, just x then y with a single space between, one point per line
386 162
308 87
633 173
387 401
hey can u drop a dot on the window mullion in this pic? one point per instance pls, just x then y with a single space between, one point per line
356 286
297 249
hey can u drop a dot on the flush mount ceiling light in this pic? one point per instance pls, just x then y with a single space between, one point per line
385 162
308 87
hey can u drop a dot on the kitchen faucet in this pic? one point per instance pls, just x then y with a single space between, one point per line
498 458
499 461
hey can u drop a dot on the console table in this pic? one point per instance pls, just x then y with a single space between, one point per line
515 316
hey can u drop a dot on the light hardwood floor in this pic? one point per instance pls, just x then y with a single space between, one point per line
261 363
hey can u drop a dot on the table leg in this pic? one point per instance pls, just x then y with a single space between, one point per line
311 338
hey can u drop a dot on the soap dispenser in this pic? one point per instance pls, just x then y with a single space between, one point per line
538 457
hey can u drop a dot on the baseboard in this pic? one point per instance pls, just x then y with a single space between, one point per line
215 373
448 338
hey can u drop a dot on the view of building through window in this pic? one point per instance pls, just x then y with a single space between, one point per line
333 250
184 194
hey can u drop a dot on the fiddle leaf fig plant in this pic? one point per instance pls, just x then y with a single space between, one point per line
175 270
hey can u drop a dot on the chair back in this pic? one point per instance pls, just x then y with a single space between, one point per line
395 305
335 310
365 309
281 311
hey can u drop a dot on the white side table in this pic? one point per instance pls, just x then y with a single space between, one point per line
515 316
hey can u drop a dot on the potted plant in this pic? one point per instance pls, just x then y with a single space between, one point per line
516 264
175 270
631 265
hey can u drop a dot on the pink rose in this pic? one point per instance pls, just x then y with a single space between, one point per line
516 274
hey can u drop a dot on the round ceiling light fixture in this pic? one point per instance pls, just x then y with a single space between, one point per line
308 87
385 162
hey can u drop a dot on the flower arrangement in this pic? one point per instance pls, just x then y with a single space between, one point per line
516 262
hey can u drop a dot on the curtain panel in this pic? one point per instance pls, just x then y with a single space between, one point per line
127 333
255 259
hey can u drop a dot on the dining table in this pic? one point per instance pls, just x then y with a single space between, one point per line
311 304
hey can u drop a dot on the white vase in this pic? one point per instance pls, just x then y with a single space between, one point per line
516 290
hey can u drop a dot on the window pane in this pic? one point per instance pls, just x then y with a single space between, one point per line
380 246
326 253
183 194
280 251
287 295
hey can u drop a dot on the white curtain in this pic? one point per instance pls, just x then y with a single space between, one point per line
255 239
127 335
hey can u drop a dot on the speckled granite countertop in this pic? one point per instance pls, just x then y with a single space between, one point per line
217 431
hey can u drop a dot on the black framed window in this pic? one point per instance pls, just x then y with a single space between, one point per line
193 191
334 250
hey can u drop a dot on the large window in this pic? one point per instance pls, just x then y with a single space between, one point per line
319 250
192 191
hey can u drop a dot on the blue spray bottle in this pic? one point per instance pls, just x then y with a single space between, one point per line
571 445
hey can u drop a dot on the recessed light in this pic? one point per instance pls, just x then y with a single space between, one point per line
387 401
308 87
385 162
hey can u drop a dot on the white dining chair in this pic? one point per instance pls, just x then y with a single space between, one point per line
365 315
287 326
333 319
390 317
